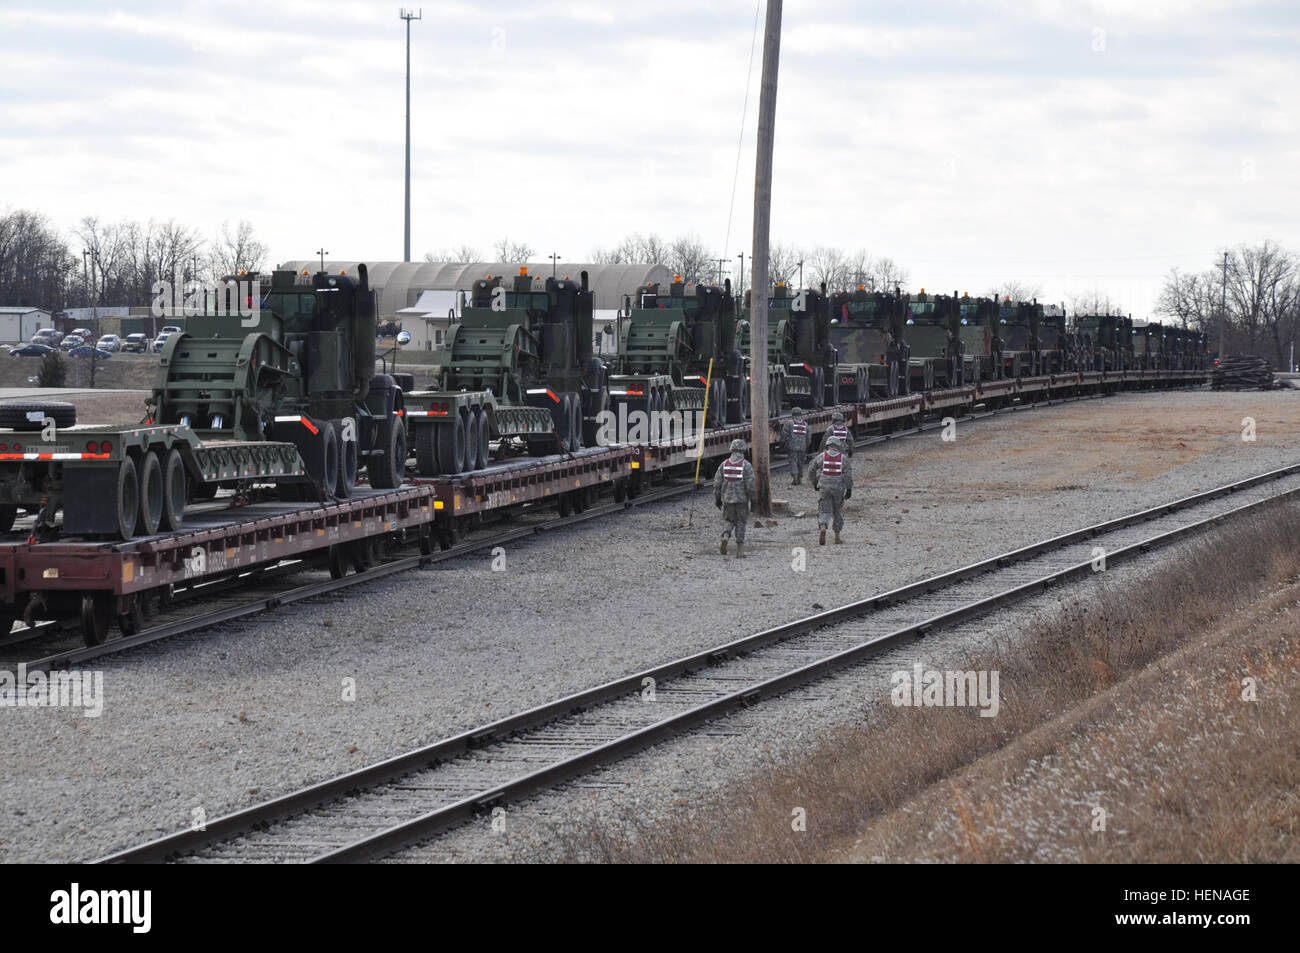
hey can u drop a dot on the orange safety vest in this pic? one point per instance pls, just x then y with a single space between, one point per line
832 464
798 428
840 431
733 471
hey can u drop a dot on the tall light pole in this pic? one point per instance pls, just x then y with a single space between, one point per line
1223 305
800 264
322 252
740 288
555 256
408 16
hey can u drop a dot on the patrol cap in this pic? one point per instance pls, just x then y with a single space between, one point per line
838 418
737 446
833 442
798 411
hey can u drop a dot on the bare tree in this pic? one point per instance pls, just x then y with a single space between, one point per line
461 254
889 274
1093 302
783 262
689 258
36 267
1191 299
1255 277
828 267
1015 290
510 252
231 254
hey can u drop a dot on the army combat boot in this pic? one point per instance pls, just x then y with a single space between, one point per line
821 536
837 538
740 550
723 548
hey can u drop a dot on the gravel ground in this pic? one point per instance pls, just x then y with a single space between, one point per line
249 711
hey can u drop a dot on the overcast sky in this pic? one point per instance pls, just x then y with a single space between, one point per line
1069 145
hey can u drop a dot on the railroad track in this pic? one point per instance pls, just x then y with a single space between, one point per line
376 811
255 592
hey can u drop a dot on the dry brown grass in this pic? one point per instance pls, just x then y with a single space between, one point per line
1130 702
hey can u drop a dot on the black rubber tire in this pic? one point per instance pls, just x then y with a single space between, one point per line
470 425
451 445
149 513
347 478
388 469
575 424
174 482
14 414
128 499
8 513
426 449
484 439
330 476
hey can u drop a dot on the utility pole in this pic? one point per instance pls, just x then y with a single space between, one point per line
1223 306
740 288
759 427
555 256
719 262
408 16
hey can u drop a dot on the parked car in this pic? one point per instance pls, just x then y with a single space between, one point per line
32 350
85 350
110 342
47 336
71 341
136 343
170 329
161 339
83 333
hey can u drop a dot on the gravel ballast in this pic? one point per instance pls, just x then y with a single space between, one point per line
248 711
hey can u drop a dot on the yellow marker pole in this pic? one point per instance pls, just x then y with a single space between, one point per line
699 440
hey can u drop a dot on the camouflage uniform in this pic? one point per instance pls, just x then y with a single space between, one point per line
794 437
839 428
733 491
831 474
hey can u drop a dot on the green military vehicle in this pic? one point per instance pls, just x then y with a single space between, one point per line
981 338
519 369
868 331
934 335
801 362
1020 348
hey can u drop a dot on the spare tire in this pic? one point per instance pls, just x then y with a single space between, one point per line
24 415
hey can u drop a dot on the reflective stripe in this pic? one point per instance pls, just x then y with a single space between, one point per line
733 471
799 428
832 464
841 432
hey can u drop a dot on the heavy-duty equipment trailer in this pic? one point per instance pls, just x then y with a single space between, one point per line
519 368
285 394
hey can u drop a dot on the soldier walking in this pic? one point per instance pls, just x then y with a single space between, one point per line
839 431
831 475
794 437
733 491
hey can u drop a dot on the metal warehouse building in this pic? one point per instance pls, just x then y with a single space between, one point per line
400 285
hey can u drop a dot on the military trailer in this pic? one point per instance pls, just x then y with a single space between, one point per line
1105 341
519 367
1057 346
1019 320
285 394
867 331
801 360
673 346
934 335
981 338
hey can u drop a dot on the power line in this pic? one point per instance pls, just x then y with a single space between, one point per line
740 137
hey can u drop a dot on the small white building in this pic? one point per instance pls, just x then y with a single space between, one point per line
19 323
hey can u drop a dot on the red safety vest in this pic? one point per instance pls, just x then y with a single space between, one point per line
798 428
840 431
832 463
733 471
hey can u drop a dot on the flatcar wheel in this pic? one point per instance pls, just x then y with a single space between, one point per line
128 500
364 554
565 505
427 544
338 561
96 616
132 620
620 491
